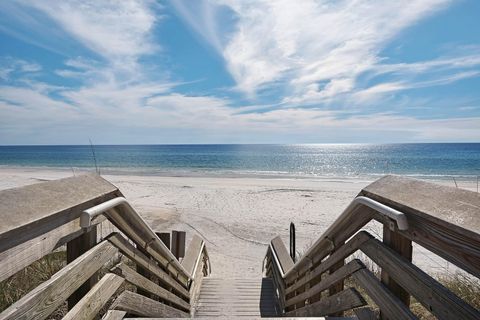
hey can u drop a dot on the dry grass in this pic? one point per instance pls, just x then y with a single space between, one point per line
465 287
27 279
15 287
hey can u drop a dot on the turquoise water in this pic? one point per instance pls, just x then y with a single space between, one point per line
320 160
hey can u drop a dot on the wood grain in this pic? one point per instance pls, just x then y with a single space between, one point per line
341 253
88 307
444 220
31 211
114 315
389 304
192 253
146 284
344 300
135 255
142 306
47 297
430 293
286 262
328 281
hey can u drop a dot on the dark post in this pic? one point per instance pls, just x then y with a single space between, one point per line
76 248
165 237
292 242
178 243
338 287
403 246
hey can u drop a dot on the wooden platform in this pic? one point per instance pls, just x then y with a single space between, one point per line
253 297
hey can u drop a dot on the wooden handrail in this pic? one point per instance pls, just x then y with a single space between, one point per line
300 287
125 217
331 236
62 221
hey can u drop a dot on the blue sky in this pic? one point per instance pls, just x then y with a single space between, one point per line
239 71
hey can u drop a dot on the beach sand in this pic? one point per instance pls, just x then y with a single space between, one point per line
237 217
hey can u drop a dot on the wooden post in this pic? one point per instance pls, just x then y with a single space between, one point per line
76 248
337 287
165 237
178 243
403 246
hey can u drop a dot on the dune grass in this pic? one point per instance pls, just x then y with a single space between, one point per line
16 286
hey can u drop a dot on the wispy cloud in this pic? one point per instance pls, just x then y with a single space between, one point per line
315 50
9 65
113 29
103 113
313 53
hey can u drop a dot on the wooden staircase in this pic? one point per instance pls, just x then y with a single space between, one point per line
141 276
248 297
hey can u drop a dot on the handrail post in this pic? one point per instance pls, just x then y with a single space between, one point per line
403 247
292 242
75 248
337 287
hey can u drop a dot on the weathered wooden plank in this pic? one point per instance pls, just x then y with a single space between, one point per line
24 254
31 211
114 315
328 281
341 253
344 300
44 299
286 262
139 305
430 293
335 287
389 304
428 200
403 247
137 231
143 271
196 285
76 248
141 282
279 284
88 307
134 254
442 219
332 239
193 251
365 313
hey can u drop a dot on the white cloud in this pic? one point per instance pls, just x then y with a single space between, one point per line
117 30
317 50
8 65
113 115
377 91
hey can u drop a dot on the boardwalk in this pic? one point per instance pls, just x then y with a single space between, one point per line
250 297
164 283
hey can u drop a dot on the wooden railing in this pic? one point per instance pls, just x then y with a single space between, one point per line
444 220
43 217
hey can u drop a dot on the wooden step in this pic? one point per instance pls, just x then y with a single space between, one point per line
252 298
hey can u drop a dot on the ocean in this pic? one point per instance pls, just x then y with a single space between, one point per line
436 161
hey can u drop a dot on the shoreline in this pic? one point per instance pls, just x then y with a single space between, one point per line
238 174
237 217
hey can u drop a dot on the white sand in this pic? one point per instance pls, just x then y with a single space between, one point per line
237 217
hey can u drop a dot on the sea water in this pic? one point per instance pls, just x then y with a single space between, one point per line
436 160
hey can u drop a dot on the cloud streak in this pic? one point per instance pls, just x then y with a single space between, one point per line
316 51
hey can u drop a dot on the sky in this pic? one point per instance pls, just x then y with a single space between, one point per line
239 71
